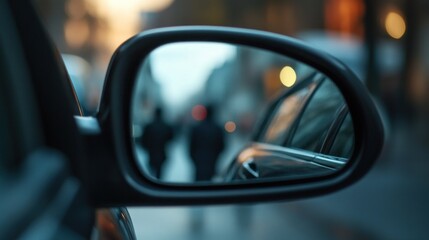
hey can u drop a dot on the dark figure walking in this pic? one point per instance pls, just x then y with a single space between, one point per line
206 143
155 138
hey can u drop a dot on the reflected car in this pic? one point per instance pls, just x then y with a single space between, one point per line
307 132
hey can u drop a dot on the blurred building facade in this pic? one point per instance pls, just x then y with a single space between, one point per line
92 29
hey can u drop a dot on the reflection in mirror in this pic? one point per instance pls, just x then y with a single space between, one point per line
217 112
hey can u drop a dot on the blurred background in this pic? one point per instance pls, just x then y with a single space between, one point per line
384 42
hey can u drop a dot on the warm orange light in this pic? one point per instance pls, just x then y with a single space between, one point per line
230 126
395 25
345 16
199 112
154 6
76 32
121 19
109 7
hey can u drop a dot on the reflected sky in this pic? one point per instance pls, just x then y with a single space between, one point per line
183 71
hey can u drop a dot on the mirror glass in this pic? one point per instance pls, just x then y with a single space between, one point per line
219 113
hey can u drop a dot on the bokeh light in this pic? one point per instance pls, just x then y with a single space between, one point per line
199 112
288 76
154 6
395 25
230 126
76 32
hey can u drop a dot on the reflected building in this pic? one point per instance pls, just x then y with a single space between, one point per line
147 97
280 16
243 84
92 30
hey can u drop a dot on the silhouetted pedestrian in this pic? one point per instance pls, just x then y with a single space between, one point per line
206 144
156 136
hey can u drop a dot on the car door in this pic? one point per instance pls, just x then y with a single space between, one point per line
41 195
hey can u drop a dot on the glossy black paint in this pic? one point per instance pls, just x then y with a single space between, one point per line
43 187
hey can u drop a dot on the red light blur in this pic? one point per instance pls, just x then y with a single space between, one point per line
199 112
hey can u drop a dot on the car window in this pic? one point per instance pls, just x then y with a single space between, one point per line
285 114
317 117
343 143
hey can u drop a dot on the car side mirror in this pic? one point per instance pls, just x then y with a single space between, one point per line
314 128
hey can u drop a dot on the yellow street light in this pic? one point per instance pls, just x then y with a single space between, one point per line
395 25
288 76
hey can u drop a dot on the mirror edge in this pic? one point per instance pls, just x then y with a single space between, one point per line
131 187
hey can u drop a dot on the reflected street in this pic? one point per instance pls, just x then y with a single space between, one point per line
178 167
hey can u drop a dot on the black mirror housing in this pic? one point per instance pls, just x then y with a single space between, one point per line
121 183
